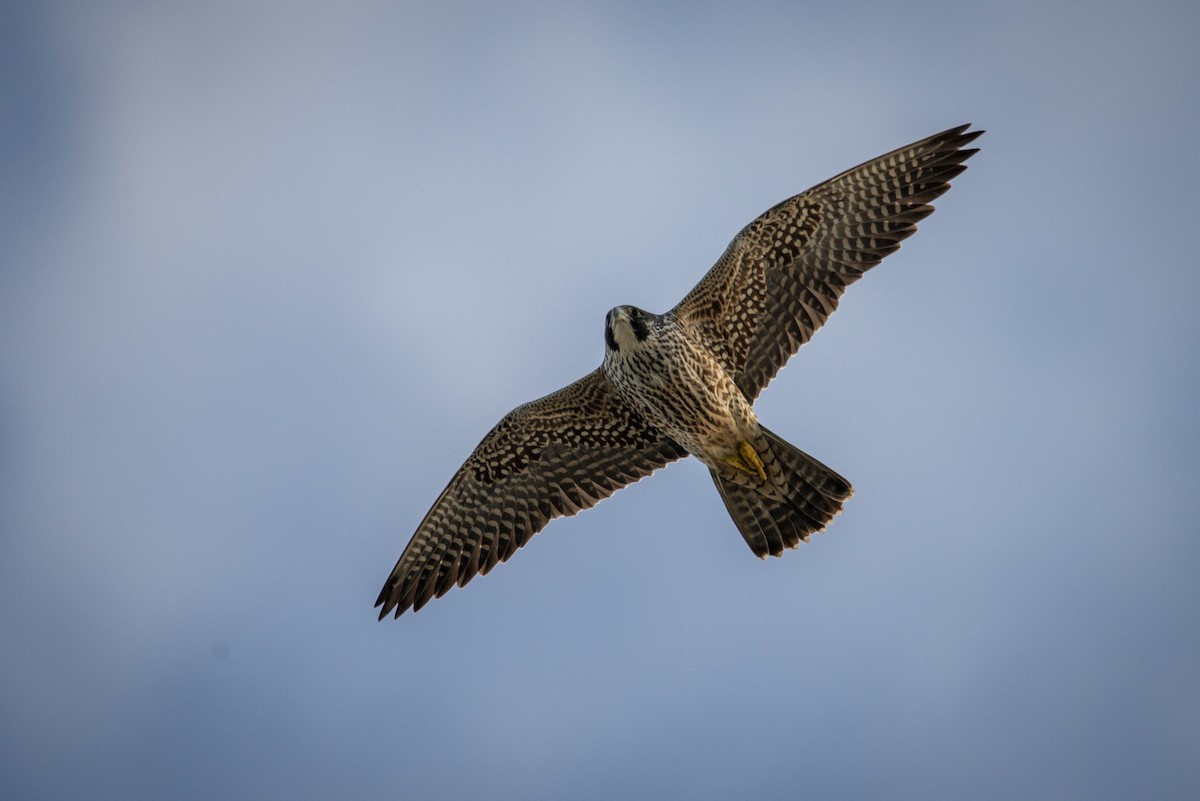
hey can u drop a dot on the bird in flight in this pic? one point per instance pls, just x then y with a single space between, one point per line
684 382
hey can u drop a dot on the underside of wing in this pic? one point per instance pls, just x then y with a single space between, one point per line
784 273
551 457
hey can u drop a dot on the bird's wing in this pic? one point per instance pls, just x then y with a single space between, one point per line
551 457
782 275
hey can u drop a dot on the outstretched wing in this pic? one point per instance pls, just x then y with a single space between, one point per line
782 275
551 457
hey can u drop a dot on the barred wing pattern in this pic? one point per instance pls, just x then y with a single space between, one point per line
783 274
548 458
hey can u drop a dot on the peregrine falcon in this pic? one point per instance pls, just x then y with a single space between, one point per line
684 382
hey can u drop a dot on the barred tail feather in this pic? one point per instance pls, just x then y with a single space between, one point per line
770 526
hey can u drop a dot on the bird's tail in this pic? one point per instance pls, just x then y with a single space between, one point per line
814 496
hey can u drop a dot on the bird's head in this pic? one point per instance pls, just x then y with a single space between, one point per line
626 328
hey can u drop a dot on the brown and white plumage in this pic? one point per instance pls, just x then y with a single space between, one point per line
783 274
684 382
551 457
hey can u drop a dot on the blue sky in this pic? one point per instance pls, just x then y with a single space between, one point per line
269 271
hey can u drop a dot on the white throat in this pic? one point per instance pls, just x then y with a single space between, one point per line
623 334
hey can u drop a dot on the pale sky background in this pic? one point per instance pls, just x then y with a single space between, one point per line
270 270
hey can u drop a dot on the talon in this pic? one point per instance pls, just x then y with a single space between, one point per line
747 460
750 455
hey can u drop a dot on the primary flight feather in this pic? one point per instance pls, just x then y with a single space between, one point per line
684 383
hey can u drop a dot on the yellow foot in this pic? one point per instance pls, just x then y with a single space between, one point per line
747 460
